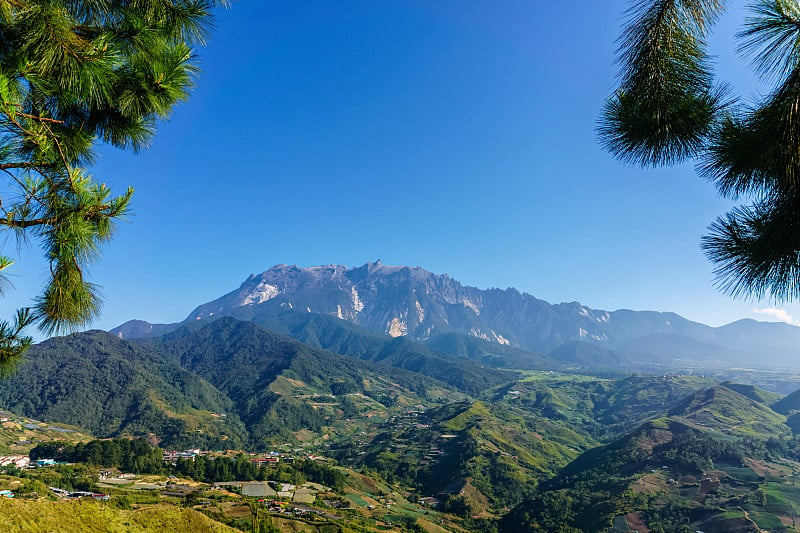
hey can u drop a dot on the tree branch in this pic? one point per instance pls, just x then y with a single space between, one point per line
22 164
26 223
40 119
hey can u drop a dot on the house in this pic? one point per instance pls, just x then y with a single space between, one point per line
228 485
261 461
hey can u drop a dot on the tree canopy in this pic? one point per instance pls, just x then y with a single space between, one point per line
670 108
75 73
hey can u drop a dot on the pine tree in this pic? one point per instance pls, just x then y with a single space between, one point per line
669 108
75 73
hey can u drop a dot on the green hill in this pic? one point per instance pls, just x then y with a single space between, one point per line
601 407
714 464
498 454
280 387
491 354
788 404
112 387
723 409
339 336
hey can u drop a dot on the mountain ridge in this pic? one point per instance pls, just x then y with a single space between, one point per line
411 302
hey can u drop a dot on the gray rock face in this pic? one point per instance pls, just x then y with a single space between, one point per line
412 302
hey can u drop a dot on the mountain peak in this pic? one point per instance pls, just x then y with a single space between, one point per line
408 301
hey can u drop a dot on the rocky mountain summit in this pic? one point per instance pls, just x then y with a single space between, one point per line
415 303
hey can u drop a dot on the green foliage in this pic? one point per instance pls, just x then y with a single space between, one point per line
329 333
667 110
458 505
212 470
113 387
669 519
74 74
129 455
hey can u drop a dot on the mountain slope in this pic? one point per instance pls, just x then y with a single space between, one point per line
113 387
341 337
279 386
724 409
675 474
492 455
412 302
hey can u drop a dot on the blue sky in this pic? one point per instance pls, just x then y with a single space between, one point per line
453 135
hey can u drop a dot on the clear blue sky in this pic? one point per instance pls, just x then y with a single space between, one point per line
456 135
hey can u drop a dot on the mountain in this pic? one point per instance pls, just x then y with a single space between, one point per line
113 387
411 302
280 386
677 473
223 384
491 454
341 337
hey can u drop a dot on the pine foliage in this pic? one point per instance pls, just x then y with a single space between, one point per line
668 109
75 73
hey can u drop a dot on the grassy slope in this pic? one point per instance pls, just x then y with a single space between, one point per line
90 516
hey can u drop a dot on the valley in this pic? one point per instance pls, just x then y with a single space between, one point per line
450 433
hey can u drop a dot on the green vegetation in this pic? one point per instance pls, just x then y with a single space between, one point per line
113 388
729 411
129 455
667 110
563 452
74 74
678 474
212 470
82 515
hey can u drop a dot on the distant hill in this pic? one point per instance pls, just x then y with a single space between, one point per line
493 455
722 408
341 337
273 380
113 387
715 464
227 383
489 353
600 407
582 354
788 403
411 302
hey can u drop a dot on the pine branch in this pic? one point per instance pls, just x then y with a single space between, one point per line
22 164
11 223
